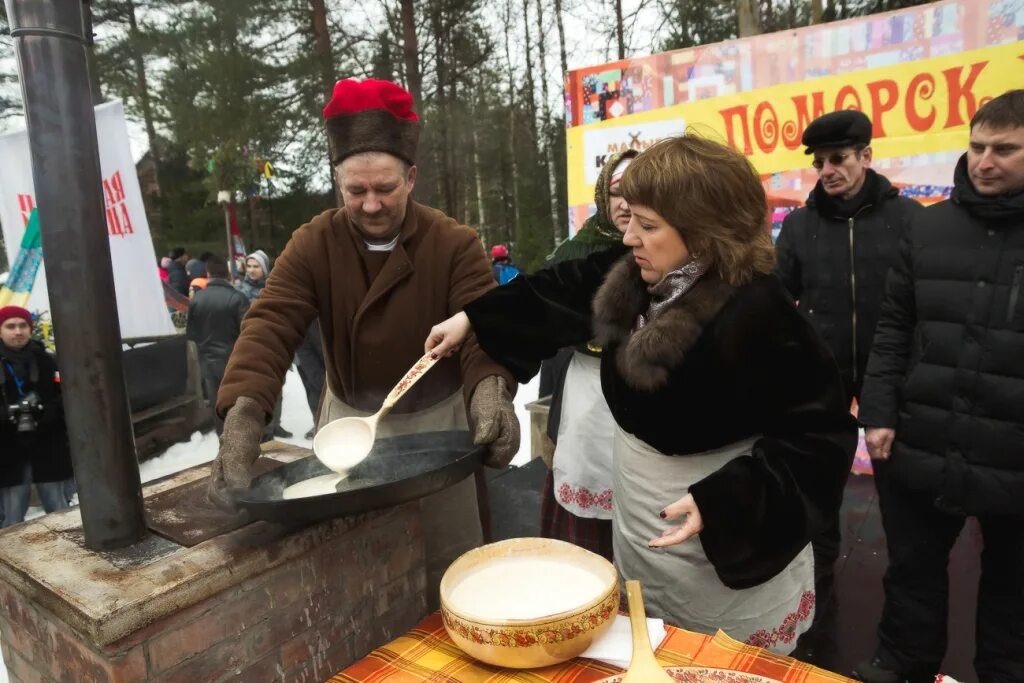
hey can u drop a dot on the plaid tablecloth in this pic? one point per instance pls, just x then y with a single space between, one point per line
426 653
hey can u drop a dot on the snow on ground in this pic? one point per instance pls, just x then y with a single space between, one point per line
295 418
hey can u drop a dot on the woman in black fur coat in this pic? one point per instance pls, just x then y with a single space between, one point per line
729 407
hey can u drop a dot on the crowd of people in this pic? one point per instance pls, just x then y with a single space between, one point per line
702 378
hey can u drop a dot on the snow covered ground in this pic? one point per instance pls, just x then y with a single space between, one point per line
295 418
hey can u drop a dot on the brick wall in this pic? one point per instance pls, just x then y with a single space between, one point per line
303 620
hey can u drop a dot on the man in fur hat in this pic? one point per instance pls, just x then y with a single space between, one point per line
378 273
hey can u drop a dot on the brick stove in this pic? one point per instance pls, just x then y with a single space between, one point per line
259 603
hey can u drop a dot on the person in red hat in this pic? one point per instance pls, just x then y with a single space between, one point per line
501 264
378 273
33 436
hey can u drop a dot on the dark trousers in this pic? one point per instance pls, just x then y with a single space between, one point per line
212 373
912 633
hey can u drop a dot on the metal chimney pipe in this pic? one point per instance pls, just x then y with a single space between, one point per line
50 46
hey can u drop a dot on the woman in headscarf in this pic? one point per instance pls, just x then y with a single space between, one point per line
729 408
576 505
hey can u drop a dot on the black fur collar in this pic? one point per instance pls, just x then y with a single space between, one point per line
646 358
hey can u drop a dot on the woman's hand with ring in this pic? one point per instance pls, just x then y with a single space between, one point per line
691 525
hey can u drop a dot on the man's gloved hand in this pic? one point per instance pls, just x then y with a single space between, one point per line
239 449
494 421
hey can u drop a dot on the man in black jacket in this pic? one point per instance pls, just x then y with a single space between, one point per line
833 255
33 435
214 322
943 404
177 277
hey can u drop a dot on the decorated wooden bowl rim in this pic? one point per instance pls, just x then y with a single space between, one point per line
563 629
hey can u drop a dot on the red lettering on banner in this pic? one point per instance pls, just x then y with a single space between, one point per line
119 221
792 131
844 92
959 91
126 220
25 204
766 132
728 115
923 86
891 93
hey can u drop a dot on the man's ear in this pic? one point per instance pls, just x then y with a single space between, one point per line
866 155
411 179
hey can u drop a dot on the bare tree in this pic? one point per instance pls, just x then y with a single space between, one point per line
410 52
748 16
549 152
561 38
816 11
512 122
619 29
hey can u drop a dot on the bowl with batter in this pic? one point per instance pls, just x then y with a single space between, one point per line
525 603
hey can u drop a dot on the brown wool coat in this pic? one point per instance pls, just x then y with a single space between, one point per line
371 335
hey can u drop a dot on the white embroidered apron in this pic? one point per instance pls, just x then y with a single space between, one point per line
679 583
451 518
582 463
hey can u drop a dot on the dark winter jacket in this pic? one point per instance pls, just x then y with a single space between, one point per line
947 367
720 365
46 447
251 289
842 293
177 278
215 321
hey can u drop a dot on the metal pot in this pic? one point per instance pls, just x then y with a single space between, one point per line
398 469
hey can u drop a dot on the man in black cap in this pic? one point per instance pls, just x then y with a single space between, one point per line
833 256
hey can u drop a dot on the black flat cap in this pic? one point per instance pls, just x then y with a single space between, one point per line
837 129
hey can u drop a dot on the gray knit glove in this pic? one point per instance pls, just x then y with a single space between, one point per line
493 419
239 449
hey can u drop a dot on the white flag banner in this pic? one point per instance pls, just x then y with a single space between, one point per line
140 299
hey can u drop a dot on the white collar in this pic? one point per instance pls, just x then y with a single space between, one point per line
390 246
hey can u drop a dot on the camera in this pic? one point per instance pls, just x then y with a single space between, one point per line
23 413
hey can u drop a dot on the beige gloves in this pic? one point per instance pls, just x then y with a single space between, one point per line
239 449
493 420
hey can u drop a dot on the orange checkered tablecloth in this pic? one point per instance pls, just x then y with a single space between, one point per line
426 653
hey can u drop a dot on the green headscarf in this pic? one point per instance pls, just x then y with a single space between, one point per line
597 232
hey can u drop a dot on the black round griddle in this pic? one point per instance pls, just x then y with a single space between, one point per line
398 469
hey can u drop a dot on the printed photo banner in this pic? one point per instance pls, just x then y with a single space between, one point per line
140 300
920 74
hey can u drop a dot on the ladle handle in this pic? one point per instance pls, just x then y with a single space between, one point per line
404 384
642 651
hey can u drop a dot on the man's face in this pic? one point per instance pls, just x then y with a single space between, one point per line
15 333
376 187
995 160
253 269
618 209
842 169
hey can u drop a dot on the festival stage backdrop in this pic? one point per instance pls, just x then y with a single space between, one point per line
920 74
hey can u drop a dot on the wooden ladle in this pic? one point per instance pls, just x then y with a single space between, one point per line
643 667
345 442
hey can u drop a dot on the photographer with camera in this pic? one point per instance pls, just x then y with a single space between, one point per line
33 436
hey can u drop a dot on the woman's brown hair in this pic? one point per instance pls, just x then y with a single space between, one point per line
711 194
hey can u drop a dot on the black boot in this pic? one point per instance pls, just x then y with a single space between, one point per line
875 671
282 433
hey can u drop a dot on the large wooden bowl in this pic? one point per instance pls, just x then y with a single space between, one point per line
529 643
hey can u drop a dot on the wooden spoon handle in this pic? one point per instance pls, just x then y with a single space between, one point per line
638 623
415 372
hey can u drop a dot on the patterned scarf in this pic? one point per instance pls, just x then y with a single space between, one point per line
668 290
